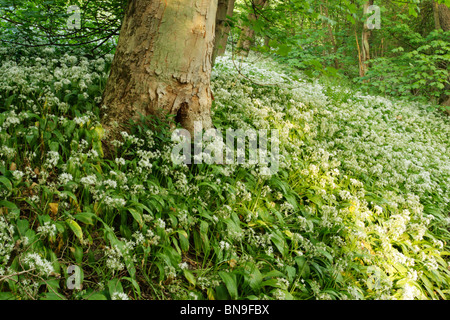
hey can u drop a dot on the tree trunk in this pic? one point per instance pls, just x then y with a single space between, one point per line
436 14
225 8
365 46
162 63
444 17
267 41
442 21
248 34
331 37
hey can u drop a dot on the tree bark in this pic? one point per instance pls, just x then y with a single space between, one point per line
248 34
437 24
442 21
444 17
365 45
162 63
331 37
225 8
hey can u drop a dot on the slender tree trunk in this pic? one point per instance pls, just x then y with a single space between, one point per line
267 41
436 14
225 8
365 45
331 37
162 63
442 21
248 34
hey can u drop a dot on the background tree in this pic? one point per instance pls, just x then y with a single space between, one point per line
248 31
225 9
365 45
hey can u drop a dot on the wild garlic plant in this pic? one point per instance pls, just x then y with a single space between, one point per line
358 209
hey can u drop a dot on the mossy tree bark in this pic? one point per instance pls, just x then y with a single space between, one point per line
162 63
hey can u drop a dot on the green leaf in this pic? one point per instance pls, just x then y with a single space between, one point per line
222 293
204 236
210 293
97 296
280 243
52 296
283 50
253 276
137 216
85 217
22 226
75 227
303 267
273 274
6 296
114 286
11 206
78 254
184 240
326 254
189 276
428 285
230 282
5 181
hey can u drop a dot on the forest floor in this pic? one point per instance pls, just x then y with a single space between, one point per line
358 207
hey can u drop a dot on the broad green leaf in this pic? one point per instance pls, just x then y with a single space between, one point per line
184 241
10 206
85 217
97 296
75 227
230 282
114 285
189 276
5 181
137 216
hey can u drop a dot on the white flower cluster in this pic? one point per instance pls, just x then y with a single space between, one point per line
6 240
48 229
41 265
52 159
119 296
65 178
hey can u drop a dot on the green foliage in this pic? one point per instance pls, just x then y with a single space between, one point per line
26 25
140 227
420 74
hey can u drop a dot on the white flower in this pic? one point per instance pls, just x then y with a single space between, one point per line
183 265
65 178
35 261
120 161
17 174
89 180
47 229
119 296
410 292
